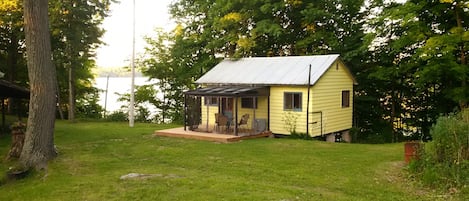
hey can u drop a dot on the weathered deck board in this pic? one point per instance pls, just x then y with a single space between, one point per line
214 137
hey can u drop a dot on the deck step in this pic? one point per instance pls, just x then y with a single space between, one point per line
180 133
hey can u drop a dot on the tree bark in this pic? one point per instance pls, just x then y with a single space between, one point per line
59 109
12 65
462 102
17 140
38 146
71 94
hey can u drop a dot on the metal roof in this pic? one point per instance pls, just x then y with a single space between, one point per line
288 70
8 89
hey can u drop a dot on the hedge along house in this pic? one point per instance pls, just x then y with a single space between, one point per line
303 94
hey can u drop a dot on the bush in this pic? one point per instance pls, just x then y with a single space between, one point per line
117 116
303 136
445 161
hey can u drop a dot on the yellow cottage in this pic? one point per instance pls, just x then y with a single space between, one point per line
303 94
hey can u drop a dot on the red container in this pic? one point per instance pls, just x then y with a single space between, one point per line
411 150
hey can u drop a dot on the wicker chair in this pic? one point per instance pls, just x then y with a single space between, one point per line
244 121
220 121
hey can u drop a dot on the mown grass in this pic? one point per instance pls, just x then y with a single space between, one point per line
94 155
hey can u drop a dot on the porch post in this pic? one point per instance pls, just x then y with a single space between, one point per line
3 113
254 112
236 116
208 112
268 112
307 102
219 106
185 112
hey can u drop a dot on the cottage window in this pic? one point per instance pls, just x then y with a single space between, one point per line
211 101
346 98
292 101
249 103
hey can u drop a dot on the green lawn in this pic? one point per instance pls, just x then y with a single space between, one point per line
93 156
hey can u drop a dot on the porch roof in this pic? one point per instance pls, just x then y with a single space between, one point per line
8 89
232 91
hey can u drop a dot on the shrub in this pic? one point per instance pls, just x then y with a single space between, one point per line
303 136
289 119
445 161
117 116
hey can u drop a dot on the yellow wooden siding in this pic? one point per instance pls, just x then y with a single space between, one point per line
261 113
326 96
211 114
277 112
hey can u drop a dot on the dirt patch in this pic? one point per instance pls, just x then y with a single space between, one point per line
396 173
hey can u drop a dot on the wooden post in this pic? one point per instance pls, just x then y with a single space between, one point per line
185 111
254 114
17 140
236 116
208 112
268 112
3 114
307 102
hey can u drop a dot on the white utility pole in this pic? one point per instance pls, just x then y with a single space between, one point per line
105 97
132 66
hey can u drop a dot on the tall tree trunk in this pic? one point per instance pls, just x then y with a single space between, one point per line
59 100
71 94
12 65
462 102
38 147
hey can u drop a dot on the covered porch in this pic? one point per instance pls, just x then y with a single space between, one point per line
229 109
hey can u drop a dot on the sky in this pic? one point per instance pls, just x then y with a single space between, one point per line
150 14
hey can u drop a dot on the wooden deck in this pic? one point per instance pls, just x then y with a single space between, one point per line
214 137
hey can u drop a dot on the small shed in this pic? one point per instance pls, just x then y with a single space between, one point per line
303 94
10 90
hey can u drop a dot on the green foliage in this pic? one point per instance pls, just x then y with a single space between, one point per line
445 161
378 133
88 107
75 35
12 61
416 67
145 95
143 115
174 62
303 136
289 119
271 28
117 116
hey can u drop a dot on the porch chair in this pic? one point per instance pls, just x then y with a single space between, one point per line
244 121
220 120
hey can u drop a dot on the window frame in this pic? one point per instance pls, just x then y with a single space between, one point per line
292 100
345 99
249 101
211 101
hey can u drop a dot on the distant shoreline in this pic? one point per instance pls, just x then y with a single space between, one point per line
116 72
116 87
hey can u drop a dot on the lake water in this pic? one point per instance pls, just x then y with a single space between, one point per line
119 85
